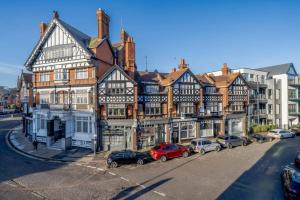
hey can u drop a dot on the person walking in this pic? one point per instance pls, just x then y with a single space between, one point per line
35 144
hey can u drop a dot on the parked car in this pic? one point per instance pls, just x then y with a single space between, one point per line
202 145
290 178
297 160
280 134
296 131
259 138
117 158
231 141
166 151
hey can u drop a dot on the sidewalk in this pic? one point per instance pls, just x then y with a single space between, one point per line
81 155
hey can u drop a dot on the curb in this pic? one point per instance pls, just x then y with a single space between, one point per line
23 153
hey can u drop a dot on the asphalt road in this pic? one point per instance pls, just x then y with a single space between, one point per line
250 172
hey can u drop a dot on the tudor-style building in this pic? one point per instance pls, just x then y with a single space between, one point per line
235 99
65 64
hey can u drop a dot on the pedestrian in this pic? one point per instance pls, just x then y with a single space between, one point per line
35 144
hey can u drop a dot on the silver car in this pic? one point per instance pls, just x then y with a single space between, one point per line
203 145
280 134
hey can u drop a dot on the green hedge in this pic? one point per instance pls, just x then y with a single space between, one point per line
257 128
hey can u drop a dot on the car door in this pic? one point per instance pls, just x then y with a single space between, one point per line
167 151
210 146
175 151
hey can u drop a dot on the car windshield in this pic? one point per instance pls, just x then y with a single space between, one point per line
283 132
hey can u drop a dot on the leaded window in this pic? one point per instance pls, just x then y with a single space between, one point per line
61 74
45 76
187 108
152 108
116 110
82 73
115 88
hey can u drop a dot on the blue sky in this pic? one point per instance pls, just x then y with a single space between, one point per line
207 33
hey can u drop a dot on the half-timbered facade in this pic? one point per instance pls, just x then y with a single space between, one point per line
65 65
235 99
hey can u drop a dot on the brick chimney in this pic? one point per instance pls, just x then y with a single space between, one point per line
173 70
225 69
43 28
130 55
103 24
123 36
182 65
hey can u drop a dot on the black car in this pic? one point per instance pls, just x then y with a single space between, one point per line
296 131
117 158
290 178
259 138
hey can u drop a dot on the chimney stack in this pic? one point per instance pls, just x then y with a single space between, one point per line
182 65
130 55
103 24
173 70
43 28
225 69
123 36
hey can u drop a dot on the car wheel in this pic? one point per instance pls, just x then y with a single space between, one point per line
218 148
163 158
260 141
230 146
140 161
185 154
244 143
202 151
114 164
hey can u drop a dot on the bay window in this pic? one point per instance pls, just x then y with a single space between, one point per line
187 107
116 110
45 76
82 73
81 97
152 109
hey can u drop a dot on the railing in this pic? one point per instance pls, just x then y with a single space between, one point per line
260 112
295 81
258 97
293 97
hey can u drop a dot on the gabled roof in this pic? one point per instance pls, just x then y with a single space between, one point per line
79 37
111 69
225 80
204 79
277 69
154 77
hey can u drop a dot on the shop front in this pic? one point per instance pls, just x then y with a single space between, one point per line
210 127
184 131
235 125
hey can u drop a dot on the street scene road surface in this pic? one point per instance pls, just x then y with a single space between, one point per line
251 172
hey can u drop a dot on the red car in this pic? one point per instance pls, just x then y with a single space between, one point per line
167 151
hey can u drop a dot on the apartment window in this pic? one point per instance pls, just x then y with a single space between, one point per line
277 109
187 107
277 94
61 74
62 51
44 98
210 90
292 108
116 110
41 122
292 94
212 106
62 97
81 97
186 89
270 109
82 124
187 130
270 94
116 88
236 106
239 90
45 76
82 73
251 77
152 88
152 109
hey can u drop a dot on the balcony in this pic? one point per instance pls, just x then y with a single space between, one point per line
293 112
295 82
258 97
260 112
294 97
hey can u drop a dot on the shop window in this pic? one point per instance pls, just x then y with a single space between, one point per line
82 124
187 130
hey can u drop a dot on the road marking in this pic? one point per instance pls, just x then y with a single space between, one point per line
112 173
141 185
100 169
91 167
78 164
37 195
159 193
125 179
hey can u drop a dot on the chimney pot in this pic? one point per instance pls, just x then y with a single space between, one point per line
173 69
55 14
182 64
225 69
43 28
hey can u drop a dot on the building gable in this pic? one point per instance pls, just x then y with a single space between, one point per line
292 71
187 78
57 46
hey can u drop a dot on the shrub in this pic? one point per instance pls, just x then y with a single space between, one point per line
257 128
